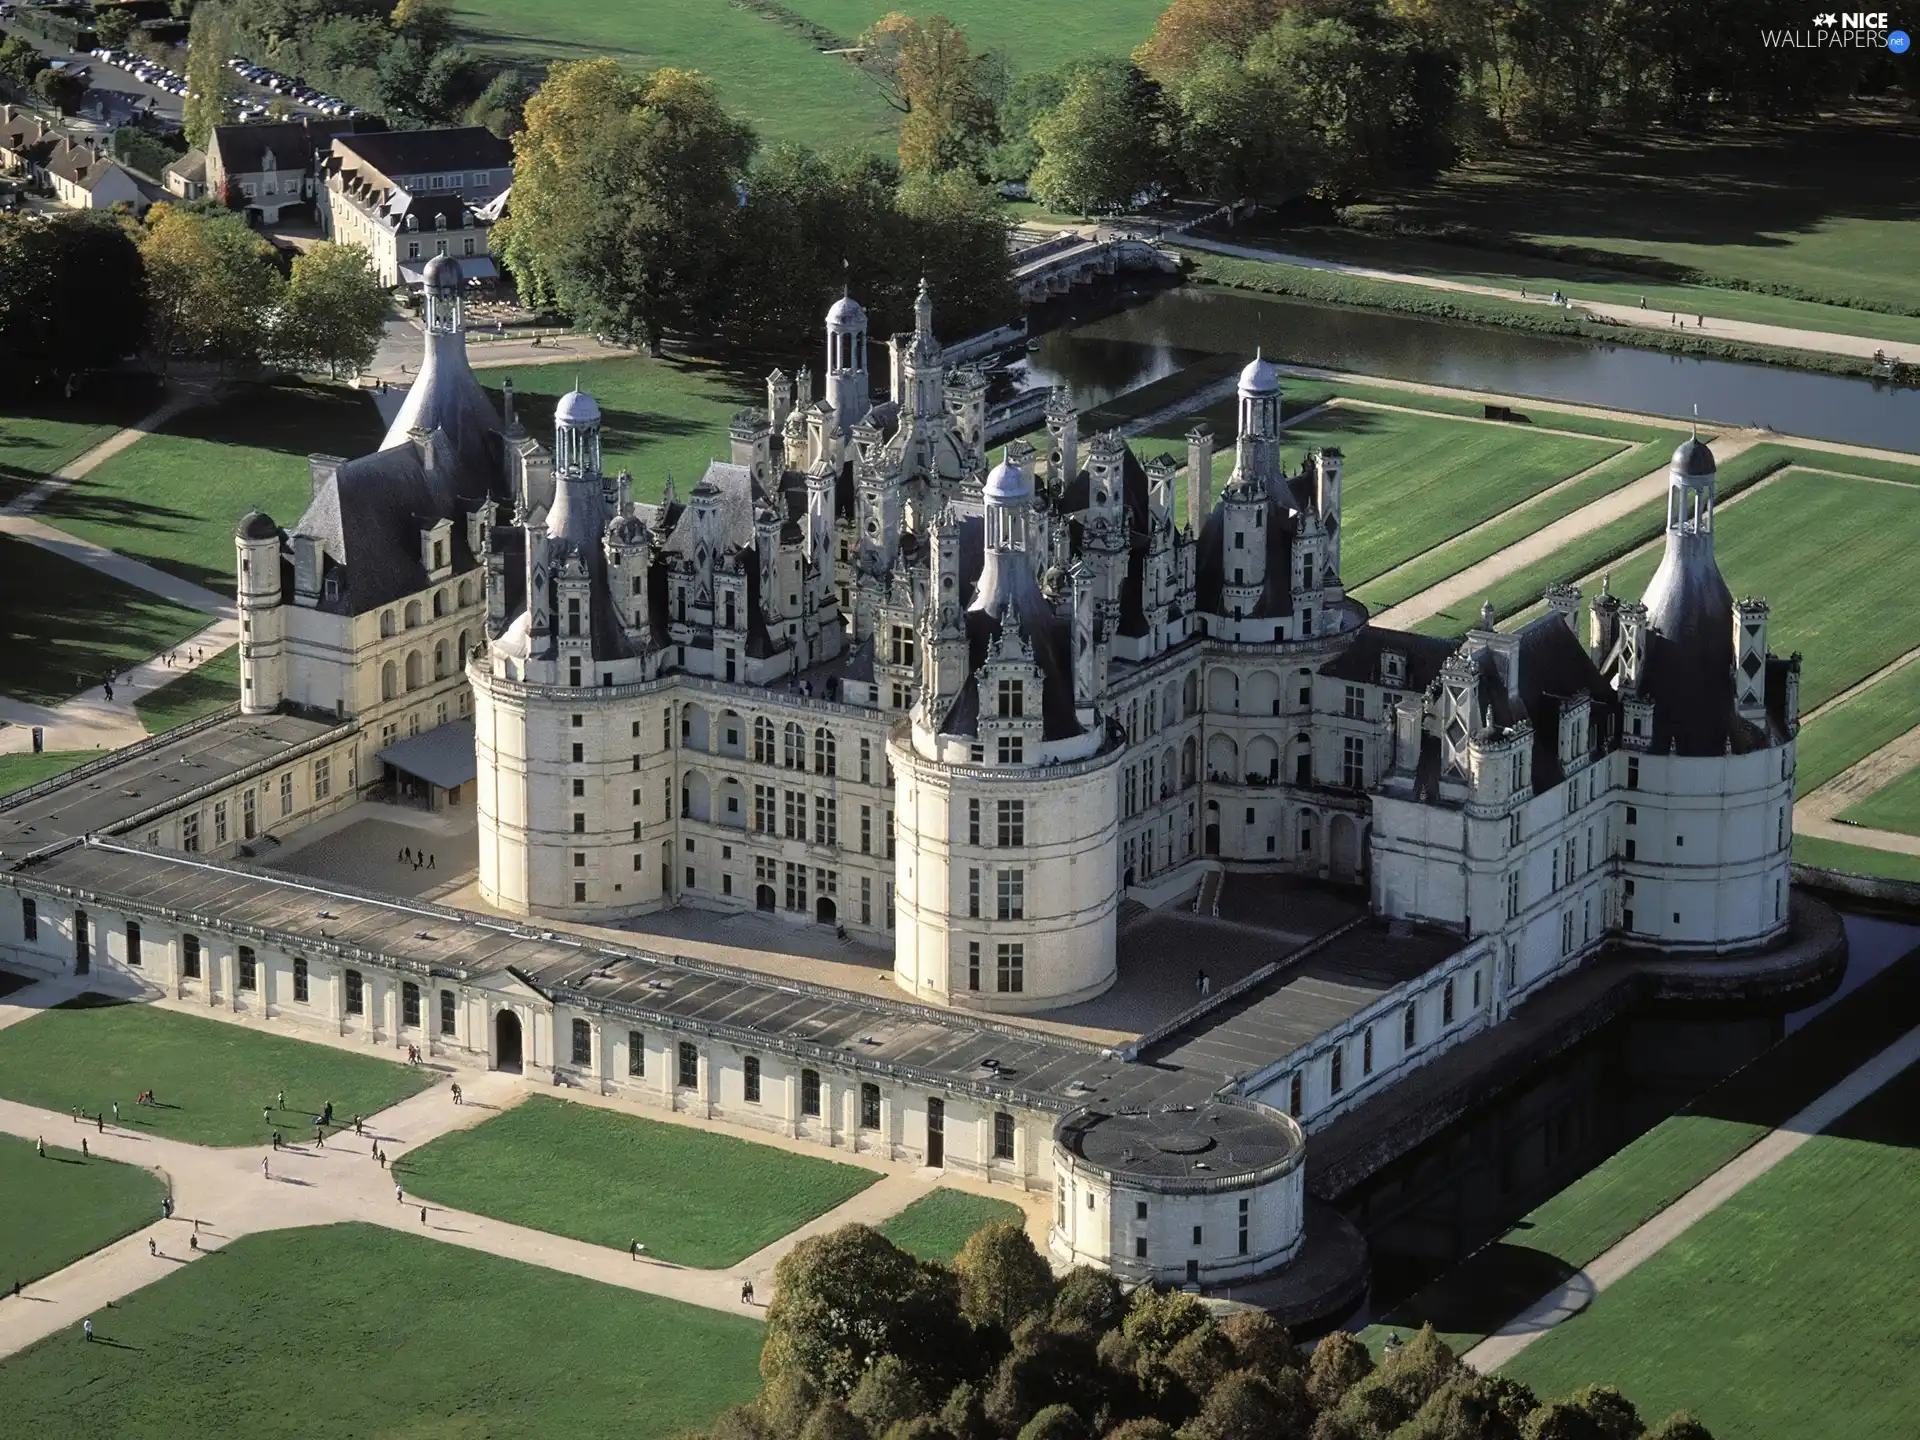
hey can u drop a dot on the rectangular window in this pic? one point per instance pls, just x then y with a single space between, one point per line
1294 1095
286 794
300 979
1407 1028
1002 1135
1334 1077
751 1070
1011 828
636 1053
866 829
973 822
582 1043
410 1005
1139 1247
133 943
449 1014
826 820
1245 1223
1633 772
869 1107
866 762
249 967
973 965
1366 1052
1011 887
1012 750
190 956
356 994
810 1093
796 814
1010 969
322 778
1446 1003
973 894
220 822
1356 703
29 920
1013 699
689 1066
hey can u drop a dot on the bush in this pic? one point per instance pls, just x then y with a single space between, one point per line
1339 1363
1056 1422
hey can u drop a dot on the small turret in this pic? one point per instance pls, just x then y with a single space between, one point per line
847 362
263 629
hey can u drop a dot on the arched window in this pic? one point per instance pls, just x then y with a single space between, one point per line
794 747
823 751
466 647
439 603
439 659
413 614
388 681
763 740
386 623
416 670
466 593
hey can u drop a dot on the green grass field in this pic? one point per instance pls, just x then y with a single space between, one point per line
210 1079
935 1226
657 415
1412 481
350 1331
1818 205
1590 1216
64 627
770 75
1033 37
174 498
1785 1313
213 686
1856 727
20 770
1892 807
1855 859
60 1206
690 1196
39 434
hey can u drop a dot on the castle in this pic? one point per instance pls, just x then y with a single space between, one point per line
867 675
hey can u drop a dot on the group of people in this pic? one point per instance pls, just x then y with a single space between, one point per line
417 858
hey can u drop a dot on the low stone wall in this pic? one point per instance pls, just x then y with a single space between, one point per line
1901 894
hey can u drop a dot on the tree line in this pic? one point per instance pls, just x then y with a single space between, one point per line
641 208
866 1342
1270 99
83 291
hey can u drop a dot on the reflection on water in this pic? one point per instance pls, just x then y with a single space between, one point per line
1110 355
1437 1204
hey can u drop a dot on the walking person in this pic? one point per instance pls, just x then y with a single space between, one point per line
280 1100
193 1241
265 1173
423 1214
153 1246
100 1120
266 1115
83 1147
398 1197
86 1328
116 1112
39 1147
456 1093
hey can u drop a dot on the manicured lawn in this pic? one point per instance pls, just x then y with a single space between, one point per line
657 415
1833 557
1590 1216
935 1226
40 433
770 75
174 498
1892 807
210 1078
1033 37
1787 1312
19 771
213 686
1855 859
1411 481
65 627
60 1207
1855 728
1820 204
690 1196
1427 570
350 1330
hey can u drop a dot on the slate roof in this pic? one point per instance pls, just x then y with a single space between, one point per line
1360 662
1276 599
443 756
399 153
240 149
1554 667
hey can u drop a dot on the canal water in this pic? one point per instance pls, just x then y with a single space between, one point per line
1437 1204
1106 346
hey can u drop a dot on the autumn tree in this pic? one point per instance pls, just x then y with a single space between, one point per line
946 93
211 86
1102 145
1187 29
1339 1362
1003 1279
213 284
62 89
334 313
624 192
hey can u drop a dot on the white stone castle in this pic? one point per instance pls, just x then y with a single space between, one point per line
866 675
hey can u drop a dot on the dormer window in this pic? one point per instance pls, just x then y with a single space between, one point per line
1013 697
1012 749
440 221
1393 667
413 222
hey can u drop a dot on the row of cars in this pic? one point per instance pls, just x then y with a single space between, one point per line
143 69
290 86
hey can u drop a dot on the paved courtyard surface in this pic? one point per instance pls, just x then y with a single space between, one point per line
361 848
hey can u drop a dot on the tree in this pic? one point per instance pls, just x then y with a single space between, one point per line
1101 146
942 89
112 24
1235 134
213 283
1141 1429
624 195
334 314
502 106
786 1401
211 86
1339 1363
1610 1410
1260 1343
1466 1407
61 89
1158 1320
1056 1422
843 1300
1201 1358
964 1417
143 150
1561 1420
428 21
886 1395
1187 29
1029 97
73 295
1679 1426
831 1421
1242 1406
1090 1298
1002 1277
738 1422
20 62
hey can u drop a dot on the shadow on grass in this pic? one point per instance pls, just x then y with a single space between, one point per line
1484 1291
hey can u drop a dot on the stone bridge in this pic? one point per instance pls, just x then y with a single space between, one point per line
1056 265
